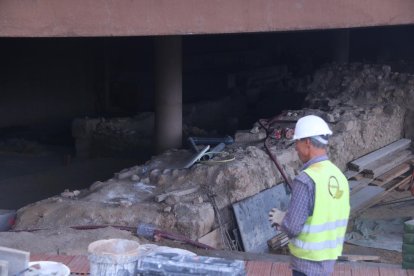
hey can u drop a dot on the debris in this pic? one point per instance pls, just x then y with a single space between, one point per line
195 158
377 233
211 141
245 136
135 177
198 200
177 193
149 231
144 187
69 194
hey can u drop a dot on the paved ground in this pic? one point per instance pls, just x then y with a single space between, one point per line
79 265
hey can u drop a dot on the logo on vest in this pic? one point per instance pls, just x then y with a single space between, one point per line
334 188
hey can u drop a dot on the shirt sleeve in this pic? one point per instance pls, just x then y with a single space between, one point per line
300 206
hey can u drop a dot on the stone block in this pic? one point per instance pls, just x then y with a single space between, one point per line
213 239
176 264
4 268
245 136
84 127
17 260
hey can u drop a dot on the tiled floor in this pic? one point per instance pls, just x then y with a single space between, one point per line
79 265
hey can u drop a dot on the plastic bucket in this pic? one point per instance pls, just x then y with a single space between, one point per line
47 268
113 257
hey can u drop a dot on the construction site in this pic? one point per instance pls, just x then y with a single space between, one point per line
168 125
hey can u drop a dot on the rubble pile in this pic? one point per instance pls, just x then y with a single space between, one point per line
189 201
102 137
362 85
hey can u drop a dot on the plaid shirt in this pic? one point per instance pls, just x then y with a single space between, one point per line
300 207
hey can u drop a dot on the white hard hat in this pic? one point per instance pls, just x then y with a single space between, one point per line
309 126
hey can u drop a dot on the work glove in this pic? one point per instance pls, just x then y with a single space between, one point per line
276 216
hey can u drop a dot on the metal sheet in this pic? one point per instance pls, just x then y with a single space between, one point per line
252 217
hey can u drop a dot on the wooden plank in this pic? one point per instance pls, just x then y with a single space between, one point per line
375 199
353 258
404 183
349 174
361 163
393 173
357 185
383 165
364 196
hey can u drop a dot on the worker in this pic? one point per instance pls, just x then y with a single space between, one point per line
318 212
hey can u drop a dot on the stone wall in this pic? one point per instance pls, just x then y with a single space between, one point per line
364 111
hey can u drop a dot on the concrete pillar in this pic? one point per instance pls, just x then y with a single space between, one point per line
341 46
168 93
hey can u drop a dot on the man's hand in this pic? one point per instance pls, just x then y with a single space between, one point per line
276 216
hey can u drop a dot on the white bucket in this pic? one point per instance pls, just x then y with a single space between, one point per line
113 257
47 268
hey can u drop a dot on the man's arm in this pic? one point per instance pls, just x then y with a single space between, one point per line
300 207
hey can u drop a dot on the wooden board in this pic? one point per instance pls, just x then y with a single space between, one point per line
349 174
385 164
391 174
353 258
357 185
361 198
361 163
377 197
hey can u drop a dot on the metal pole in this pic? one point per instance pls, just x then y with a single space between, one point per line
168 93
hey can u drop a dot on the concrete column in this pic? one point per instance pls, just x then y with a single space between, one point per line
341 46
168 93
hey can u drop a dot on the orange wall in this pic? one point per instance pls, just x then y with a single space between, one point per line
73 18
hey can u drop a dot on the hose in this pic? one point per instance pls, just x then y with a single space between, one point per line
274 159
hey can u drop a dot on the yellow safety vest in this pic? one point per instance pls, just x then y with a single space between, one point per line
323 234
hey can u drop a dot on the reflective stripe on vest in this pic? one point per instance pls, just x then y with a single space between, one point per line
318 245
323 234
324 227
